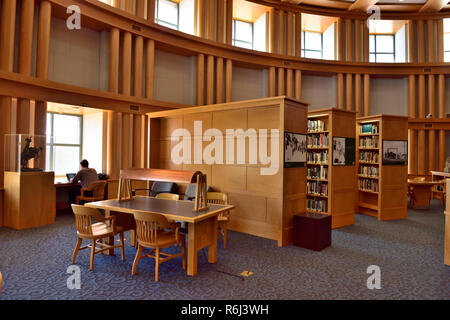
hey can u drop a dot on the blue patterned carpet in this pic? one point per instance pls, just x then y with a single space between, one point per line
409 253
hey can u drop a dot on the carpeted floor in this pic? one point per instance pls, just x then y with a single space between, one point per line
409 252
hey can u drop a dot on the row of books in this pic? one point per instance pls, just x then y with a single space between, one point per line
369 156
369 142
317 157
317 172
316 125
368 128
317 187
318 140
316 204
369 171
368 185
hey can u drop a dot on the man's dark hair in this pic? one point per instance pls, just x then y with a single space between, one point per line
84 163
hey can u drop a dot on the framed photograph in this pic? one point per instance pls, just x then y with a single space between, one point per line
294 150
343 151
395 152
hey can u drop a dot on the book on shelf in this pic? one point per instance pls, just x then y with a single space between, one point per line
315 204
317 172
368 185
317 157
319 140
317 187
369 171
316 125
369 142
369 156
368 128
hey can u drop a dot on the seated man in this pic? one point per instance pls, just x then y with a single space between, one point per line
86 175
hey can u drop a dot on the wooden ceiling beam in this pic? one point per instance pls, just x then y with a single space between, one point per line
433 6
362 5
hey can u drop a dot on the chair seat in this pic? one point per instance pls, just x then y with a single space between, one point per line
99 230
165 239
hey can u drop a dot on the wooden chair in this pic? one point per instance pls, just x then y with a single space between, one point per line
224 218
97 189
439 192
95 232
152 233
168 196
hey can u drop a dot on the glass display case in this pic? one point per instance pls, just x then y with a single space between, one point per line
25 152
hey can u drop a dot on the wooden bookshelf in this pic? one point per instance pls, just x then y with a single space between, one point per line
330 188
381 188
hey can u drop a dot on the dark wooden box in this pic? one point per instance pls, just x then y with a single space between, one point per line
312 231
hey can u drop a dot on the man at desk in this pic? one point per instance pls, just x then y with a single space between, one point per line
86 175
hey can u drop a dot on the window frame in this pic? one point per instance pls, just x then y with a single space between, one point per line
52 144
303 47
376 53
234 40
446 51
165 23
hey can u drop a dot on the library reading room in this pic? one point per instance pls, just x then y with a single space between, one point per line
224 150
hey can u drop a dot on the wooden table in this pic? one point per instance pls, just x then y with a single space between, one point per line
422 192
202 226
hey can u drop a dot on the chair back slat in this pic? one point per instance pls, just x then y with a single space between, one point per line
83 218
147 226
217 198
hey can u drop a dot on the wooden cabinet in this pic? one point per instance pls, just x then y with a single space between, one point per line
29 199
382 184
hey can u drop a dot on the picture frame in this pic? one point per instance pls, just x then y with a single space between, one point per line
343 151
294 149
395 152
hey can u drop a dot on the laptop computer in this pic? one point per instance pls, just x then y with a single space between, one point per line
70 176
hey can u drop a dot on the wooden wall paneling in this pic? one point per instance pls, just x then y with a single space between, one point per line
366 95
128 4
272 28
151 10
340 90
349 90
430 41
280 85
137 142
5 128
420 41
289 33
339 39
412 133
289 83
149 68
140 8
113 142
365 41
358 32
228 79
126 63
281 33
209 79
421 133
219 79
411 42
43 39
127 140
201 25
298 83
200 79
7 31
431 133
210 20
220 36
26 37
298 34
229 20
23 116
348 40
358 95
272 82
441 114
114 38
440 40
138 65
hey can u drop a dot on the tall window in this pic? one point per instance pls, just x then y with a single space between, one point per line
312 45
64 148
382 48
242 34
167 14
447 40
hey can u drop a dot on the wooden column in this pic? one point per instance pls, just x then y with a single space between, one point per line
348 40
138 63
289 83
421 133
366 95
219 80
7 28
272 33
365 34
358 95
126 63
289 33
201 25
127 140
200 79
5 128
210 79
430 38
411 42
43 39
26 37
210 20
140 8
228 80
113 143
339 39
298 84
229 20
281 90
220 36
272 82
420 42
358 40
114 38
280 34
440 40
149 68
412 133
441 115
128 6
348 90
431 133
151 10
340 90
298 34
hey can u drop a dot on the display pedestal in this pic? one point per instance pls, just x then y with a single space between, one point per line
29 199
312 231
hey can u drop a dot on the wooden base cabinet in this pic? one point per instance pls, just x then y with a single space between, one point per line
29 199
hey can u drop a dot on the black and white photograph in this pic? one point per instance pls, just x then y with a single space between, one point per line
395 152
294 150
338 151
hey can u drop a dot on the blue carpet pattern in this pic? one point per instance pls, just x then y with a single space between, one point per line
409 252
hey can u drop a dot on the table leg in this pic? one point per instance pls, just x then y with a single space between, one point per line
212 248
423 196
110 240
191 251
447 238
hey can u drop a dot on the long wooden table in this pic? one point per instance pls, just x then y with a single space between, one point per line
422 192
202 226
